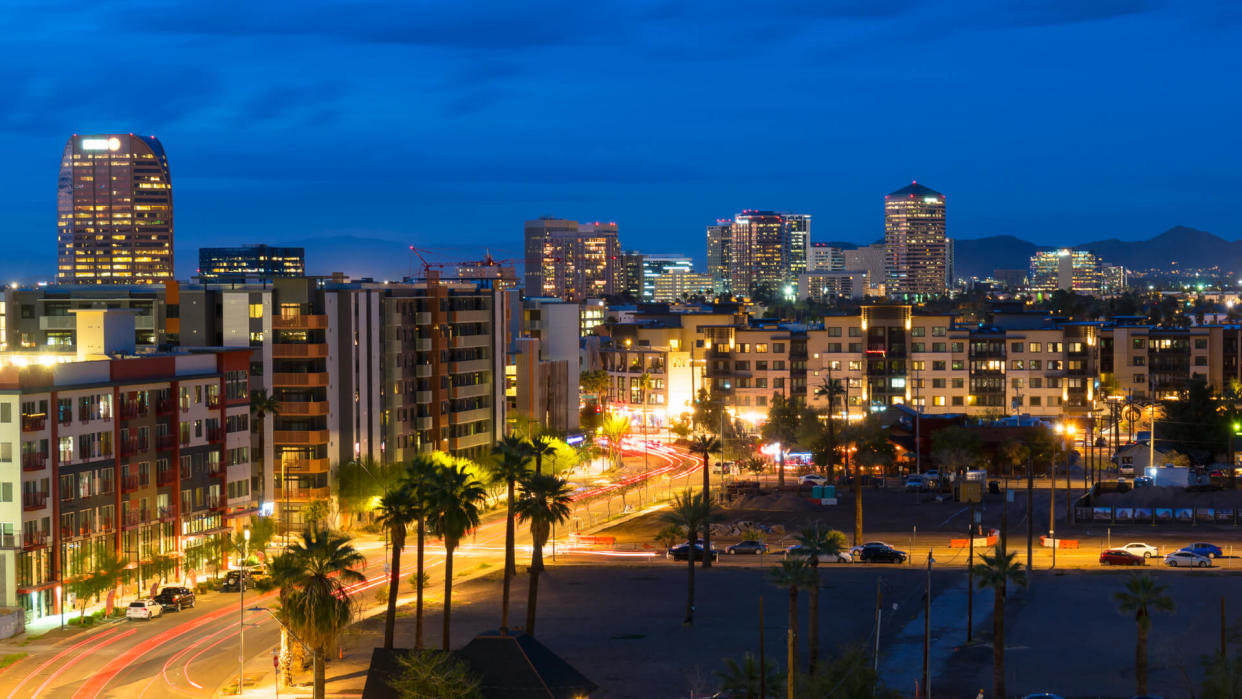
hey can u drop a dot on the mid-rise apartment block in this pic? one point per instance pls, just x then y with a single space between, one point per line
570 260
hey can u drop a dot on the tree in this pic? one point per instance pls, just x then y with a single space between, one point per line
314 576
709 414
454 500
705 444
1140 597
669 536
1013 453
361 482
419 476
544 503
595 383
956 449
753 464
434 675
540 447
512 463
614 428
396 509
742 679
850 675
107 567
793 573
873 450
262 530
830 390
262 406
691 512
995 572
315 515
784 419
817 540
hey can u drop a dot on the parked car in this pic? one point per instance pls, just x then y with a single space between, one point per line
749 546
915 483
1143 482
797 551
932 478
145 609
1187 559
1204 549
813 479
681 552
234 579
1138 548
1120 557
879 552
177 598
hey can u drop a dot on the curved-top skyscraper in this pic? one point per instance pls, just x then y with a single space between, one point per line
114 211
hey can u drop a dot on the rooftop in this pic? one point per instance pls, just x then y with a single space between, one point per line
914 189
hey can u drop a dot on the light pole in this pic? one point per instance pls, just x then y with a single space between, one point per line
241 613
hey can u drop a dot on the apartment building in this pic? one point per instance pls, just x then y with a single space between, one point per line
749 364
141 454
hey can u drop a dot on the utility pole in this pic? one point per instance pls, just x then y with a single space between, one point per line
875 660
763 670
1030 512
927 628
970 580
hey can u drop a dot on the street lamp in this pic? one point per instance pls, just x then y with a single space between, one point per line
1066 429
241 611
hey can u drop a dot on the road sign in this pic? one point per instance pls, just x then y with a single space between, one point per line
276 660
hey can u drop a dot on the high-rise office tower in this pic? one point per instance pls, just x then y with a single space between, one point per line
630 274
656 265
114 211
767 250
250 263
915 248
1079 271
719 247
569 260
825 258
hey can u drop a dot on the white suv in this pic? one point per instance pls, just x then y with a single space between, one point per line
146 609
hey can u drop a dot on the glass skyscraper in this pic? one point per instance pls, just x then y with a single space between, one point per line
915 247
114 211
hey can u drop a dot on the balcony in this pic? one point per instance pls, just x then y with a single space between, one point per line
422 396
303 408
310 350
130 447
215 469
422 344
136 517
299 379
215 435
166 476
300 436
34 540
308 493
166 442
213 402
34 461
34 501
422 371
132 410
422 423
129 484
166 514
300 321
422 318
216 502
165 406
34 423
306 466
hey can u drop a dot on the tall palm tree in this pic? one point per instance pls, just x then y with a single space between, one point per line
691 512
705 444
540 447
995 572
397 507
614 428
817 540
511 464
793 573
262 406
742 679
1140 597
830 388
544 503
454 500
419 476
313 576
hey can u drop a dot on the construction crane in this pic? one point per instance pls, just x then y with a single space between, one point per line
427 273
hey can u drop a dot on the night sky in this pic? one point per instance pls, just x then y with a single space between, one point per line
443 124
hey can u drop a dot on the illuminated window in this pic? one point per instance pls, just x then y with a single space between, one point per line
256 310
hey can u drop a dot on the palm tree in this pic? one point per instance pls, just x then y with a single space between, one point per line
691 512
397 508
512 464
540 447
742 679
705 444
614 427
1140 596
455 498
314 575
995 572
419 475
793 573
262 406
830 388
817 540
544 504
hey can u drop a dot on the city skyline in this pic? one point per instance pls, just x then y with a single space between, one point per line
659 184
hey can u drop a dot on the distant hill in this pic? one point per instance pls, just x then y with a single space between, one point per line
357 257
1188 247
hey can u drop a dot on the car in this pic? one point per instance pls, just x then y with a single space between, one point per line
915 482
1120 557
878 552
1204 549
932 479
797 551
1187 559
813 479
1138 548
176 598
681 552
1143 482
749 546
145 609
234 579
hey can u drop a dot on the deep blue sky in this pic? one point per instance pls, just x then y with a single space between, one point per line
450 123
